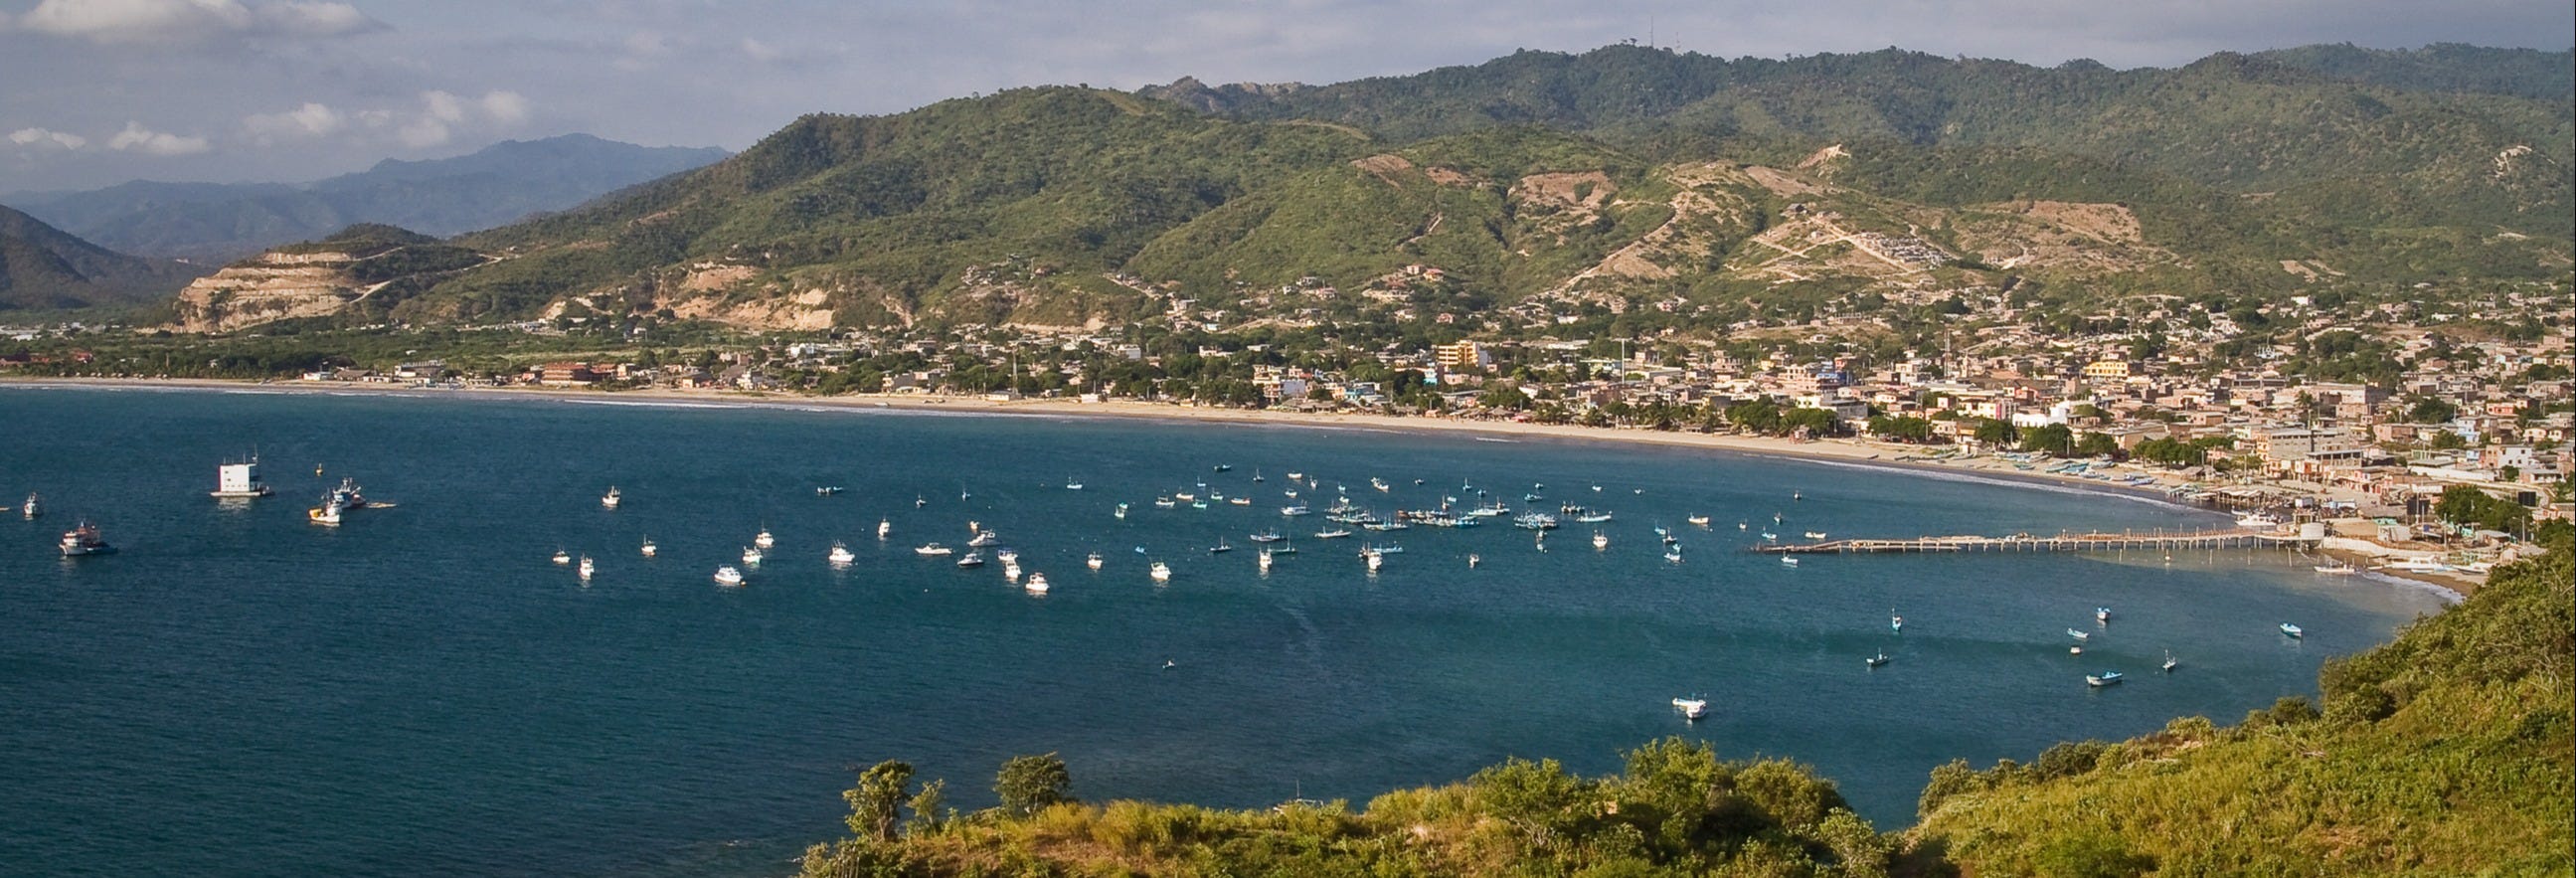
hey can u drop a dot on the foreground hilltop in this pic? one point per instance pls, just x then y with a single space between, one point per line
1541 185
2446 752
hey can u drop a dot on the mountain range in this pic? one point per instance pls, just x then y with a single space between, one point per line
1623 179
42 267
215 222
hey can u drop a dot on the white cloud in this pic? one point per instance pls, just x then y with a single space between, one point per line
46 138
443 107
179 21
760 51
505 107
137 138
310 120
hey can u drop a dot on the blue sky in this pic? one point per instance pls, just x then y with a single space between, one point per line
95 92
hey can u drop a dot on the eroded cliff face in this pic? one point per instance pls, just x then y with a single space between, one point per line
270 287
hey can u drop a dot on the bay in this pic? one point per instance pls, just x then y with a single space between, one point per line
422 690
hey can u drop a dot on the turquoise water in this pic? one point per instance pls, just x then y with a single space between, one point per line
422 691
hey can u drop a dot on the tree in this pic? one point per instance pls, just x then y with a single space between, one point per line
929 807
1028 783
2431 410
1504 395
2097 444
877 802
2446 440
2048 437
1995 433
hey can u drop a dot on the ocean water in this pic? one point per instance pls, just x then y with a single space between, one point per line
422 691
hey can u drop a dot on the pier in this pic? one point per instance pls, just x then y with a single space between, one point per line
2087 542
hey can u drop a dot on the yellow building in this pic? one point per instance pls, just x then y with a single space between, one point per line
2108 370
1465 356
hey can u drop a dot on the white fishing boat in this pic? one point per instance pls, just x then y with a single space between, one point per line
2077 649
33 509
1877 660
1007 556
587 567
328 514
933 550
2079 634
751 556
1376 560
970 561
1378 483
1673 554
1770 536
827 490
1267 536
2293 631
728 575
1474 559
1600 540
1220 547
2105 678
2336 568
1037 583
1698 520
2258 521
764 540
1265 560
1896 624
1691 708
83 539
1165 503
1332 534
884 526
1296 476
1011 571
984 538
2102 614
1160 571
1815 535
2170 664
648 548
612 498
841 553
1121 512
1092 562
1071 485
1788 561
562 557
233 481
1295 510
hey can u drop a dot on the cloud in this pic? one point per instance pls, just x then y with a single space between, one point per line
760 51
442 112
46 138
310 120
137 138
505 107
182 21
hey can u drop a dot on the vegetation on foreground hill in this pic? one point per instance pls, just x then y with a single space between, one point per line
2445 752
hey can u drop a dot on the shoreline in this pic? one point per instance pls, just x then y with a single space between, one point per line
1854 453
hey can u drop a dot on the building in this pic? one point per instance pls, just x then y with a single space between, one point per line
2108 370
1465 356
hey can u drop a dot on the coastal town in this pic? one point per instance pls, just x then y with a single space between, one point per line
2177 398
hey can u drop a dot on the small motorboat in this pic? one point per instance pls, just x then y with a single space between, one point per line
751 556
562 557
1815 535
2079 635
827 490
884 526
970 561
2105 678
1691 708
2293 631
1474 559
2102 614
1160 571
841 553
648 548
1220 547
1697 520
1877 660
1037 583
727 575
587 568
2170 663
611 499
1092 562
1600 541
764 540
1789 561
933 550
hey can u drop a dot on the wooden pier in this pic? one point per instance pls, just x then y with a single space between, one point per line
2087 542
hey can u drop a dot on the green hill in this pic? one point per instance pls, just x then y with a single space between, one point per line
45 267
1623 181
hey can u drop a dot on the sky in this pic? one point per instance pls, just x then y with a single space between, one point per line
97 92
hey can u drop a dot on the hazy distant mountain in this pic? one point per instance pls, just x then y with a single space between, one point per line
213 222
44 267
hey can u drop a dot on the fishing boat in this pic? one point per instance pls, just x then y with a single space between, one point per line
1265 560
1815 535
1240 501
233 481
933 550
1770 536
1786 561
1295 510
984 538
1220 547
2102 614
1877 660
841 554
1121 512
648 548
2105 678
751 556
2079 634
1267 536
562 557
1198 504
1286 548
1474 559
328 514
2170 663
1741 526
33 509
1092 562
970 560
587 567
1165 503
1184 496
727 575
764 540
1698 520
1691 708
1256 475
1600 541
2293 631
1160 571
1332 534
884 526
2336 568
1797 495
83 539
1223 468
1071 485
1011 570
611 499
827 490
1378 483
1673 554
1037 583
1895 624
1296 476
1376 559
2077 649
918 501
2258 521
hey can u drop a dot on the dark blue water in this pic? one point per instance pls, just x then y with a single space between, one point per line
422 691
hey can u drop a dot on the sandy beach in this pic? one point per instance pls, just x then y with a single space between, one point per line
1857 452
